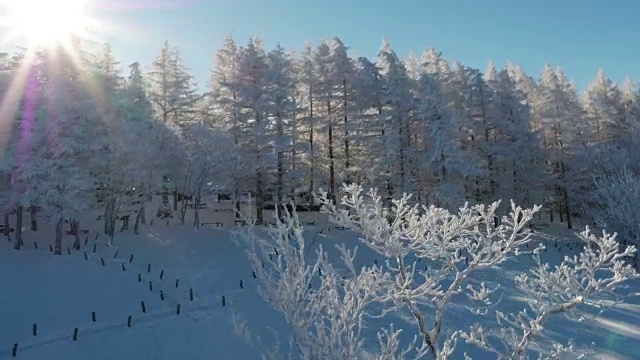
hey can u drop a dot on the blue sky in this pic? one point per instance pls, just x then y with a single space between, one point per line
579 36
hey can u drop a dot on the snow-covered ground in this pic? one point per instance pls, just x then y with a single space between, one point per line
59 294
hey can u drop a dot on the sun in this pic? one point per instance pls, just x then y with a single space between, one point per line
44 23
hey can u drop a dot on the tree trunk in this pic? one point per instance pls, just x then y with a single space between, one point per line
57 244
175 199
110 218
165 192
18 242
74 224
347 163
112 229
34 220
332 170
7 223
107 215
143 214
183 211
259 197
237 201
402 157
196 216
280 165
141 217
113 218
311 153
139 220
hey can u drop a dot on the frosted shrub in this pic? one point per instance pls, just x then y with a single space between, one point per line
617 205
326 314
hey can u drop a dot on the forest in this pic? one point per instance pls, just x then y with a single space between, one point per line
80 130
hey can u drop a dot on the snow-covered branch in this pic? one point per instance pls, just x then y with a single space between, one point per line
456 244
325 308
589 279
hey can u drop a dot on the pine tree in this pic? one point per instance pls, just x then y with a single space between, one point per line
225 106
252 100
281 107
560 115
309 84
173 95
396 100
342 76
441 137
328 103
368 107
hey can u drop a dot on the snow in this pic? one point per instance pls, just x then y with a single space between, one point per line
59 293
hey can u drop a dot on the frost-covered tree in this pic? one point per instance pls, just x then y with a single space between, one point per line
326 301
439 162
252 71
396 106
308 87
59 148
343 76
205 149
172 90
471 102
513 177
560 116
174 96
151 152
616 204
225 107
327 105
604 110
365 143
281 109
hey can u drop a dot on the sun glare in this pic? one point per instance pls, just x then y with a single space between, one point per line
44 22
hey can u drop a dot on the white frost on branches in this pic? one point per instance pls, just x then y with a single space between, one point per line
324 309
460 244
589 279
326 304
617 204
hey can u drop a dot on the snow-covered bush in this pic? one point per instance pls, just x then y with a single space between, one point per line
326 303
617 205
